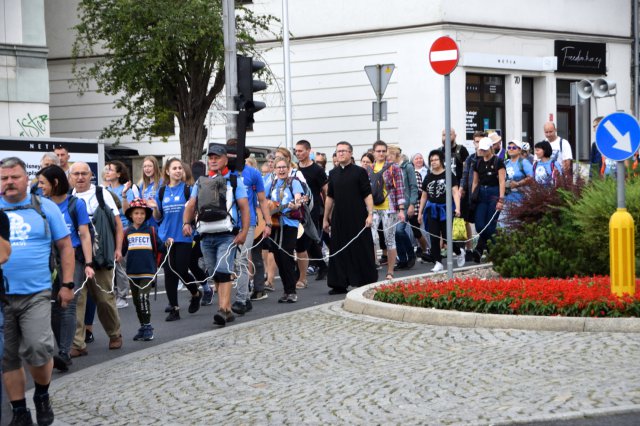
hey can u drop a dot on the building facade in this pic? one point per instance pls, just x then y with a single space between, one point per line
517 62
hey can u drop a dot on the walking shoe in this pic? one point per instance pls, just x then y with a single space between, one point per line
462 258
239 308
168 308
411 262
335 291
400 266
259 295
248 305
311 270
21 417
438 267
322 273
269 287
147 333
88 336
174 315
292 298
194 305
426 257
62 362
44 412
121 303
222 317
207 298
284 298
75 352
139 335
115 342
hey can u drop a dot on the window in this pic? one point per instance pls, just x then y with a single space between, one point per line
485 104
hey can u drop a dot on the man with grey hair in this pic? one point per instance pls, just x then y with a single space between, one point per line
35 223
100 286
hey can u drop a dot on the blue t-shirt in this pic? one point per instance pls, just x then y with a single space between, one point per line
241 192
285 197
514 170
149 193
27 271
172 214
130 196
81 214
253 182
543 173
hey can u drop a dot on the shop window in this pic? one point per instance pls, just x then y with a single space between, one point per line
485 104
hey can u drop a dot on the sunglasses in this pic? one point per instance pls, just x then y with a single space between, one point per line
512 148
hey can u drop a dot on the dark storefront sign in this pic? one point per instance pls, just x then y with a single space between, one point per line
580 57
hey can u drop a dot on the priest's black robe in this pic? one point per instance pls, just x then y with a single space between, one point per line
355 265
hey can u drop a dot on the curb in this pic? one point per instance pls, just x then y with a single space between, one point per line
355 302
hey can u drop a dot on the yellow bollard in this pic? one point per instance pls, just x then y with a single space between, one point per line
622 253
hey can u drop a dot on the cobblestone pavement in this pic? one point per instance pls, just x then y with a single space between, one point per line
325 366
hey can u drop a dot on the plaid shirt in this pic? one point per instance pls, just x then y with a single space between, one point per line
395 187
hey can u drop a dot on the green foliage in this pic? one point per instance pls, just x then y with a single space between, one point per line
545 249
591 214
161 58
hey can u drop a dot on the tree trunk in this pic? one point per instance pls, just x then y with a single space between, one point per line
192 139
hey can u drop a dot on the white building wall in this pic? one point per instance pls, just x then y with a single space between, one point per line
333 41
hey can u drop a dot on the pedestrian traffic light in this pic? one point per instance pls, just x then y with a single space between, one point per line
247 86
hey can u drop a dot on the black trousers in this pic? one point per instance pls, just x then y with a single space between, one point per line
286 236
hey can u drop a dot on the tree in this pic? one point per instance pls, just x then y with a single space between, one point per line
161 59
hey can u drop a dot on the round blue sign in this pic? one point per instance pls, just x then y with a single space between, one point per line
618 136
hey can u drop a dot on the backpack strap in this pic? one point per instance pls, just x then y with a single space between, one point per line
161 191
100 196
72 209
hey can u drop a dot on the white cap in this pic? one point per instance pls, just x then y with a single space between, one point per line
485 144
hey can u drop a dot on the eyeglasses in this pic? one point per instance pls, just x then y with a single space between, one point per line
282 167
512 148
342 151
80 173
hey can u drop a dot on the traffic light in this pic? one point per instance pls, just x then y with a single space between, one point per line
246 87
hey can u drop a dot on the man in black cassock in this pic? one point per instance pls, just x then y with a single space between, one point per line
348 209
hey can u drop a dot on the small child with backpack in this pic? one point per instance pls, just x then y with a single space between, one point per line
144 246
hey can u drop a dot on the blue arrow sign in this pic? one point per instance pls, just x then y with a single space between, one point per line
618 136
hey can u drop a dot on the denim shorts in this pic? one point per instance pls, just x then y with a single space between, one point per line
217 252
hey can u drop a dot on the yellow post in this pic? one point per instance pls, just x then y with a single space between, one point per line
622 253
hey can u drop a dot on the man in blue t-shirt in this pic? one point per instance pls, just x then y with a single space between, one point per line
257 201
35 224
219 242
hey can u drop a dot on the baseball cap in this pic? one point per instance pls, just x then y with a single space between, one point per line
517 143
217 149
485 144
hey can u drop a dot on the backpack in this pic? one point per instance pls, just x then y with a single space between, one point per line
163 188
553 171
377 184
214 202
104 226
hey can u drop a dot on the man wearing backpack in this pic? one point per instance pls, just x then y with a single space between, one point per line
386 177
108 236
561 149
36 224
223 221
458 153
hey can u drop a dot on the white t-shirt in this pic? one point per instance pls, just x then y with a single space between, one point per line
91 200
558 154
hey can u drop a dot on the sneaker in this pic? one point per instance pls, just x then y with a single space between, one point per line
207 298
147 333
269 287
311 270
88 336
194 305
426 257
249 305
174 315
239 308
62 362
292 298
461 259
259 295
22 417
438 267
139 335
222 317
121 303
284 298
44 412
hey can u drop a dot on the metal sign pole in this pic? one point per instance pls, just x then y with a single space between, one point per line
230 64
379 98
447 156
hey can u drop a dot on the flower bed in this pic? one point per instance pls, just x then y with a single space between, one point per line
574 297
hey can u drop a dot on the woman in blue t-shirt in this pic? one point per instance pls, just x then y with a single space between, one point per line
545 171
519 174
287 194
54 185
150 183
169 212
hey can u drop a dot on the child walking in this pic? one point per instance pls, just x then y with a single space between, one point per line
142 243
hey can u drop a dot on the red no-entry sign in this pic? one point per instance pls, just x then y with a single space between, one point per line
443 55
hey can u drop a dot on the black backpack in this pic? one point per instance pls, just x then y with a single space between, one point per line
104 226
211 205
377 184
